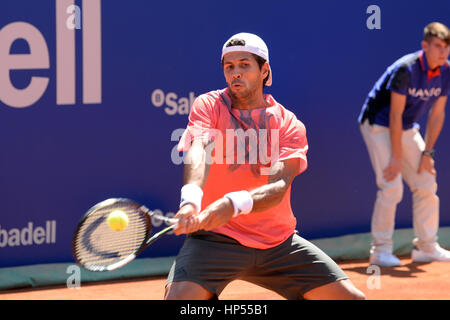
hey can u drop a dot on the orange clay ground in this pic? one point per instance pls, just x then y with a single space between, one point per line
411 281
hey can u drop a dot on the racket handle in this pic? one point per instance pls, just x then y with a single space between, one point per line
170 221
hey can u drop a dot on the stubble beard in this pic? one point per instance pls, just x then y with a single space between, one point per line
243 97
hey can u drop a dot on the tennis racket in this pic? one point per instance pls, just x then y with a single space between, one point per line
97 247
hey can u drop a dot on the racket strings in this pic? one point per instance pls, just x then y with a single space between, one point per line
98 246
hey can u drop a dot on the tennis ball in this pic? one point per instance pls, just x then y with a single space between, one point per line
118 220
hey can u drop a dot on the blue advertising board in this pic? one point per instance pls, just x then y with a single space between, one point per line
92 94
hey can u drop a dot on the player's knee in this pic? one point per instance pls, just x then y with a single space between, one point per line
425 195
353 293
356 294
392 194
174 292
186 291
425 189
167 292
350 292
339 290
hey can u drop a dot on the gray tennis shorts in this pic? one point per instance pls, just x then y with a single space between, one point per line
291 269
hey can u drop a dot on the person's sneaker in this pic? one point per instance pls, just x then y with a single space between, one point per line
438 254
384 259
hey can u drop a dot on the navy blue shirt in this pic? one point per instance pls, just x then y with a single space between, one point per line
410 76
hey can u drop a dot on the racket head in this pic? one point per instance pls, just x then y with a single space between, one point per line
97 247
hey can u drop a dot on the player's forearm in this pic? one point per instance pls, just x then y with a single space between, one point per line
269 195
196 167
194 177
434 127
272 193
221 211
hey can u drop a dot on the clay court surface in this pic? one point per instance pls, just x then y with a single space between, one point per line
411 281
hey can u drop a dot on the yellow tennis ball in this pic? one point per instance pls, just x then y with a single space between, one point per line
118 220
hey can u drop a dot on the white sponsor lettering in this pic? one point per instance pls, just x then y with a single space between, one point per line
38 56
173 103
424 94
29 235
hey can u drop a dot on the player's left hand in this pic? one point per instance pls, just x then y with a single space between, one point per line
427 164
183 215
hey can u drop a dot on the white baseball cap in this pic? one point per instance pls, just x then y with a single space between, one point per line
248 42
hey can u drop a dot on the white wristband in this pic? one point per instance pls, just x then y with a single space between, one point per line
193 194
242 202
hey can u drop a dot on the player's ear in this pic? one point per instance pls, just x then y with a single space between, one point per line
265 69
424 45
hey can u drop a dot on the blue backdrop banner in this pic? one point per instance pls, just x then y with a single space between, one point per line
93 95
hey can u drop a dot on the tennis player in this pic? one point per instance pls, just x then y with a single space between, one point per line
415 84
243 151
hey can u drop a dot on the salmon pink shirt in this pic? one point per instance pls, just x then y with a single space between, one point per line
246 144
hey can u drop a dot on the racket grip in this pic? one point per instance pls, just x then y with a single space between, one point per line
170 221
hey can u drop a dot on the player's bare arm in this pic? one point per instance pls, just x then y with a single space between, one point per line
271 194
398 102
434 126
221 211
196 170
196 167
